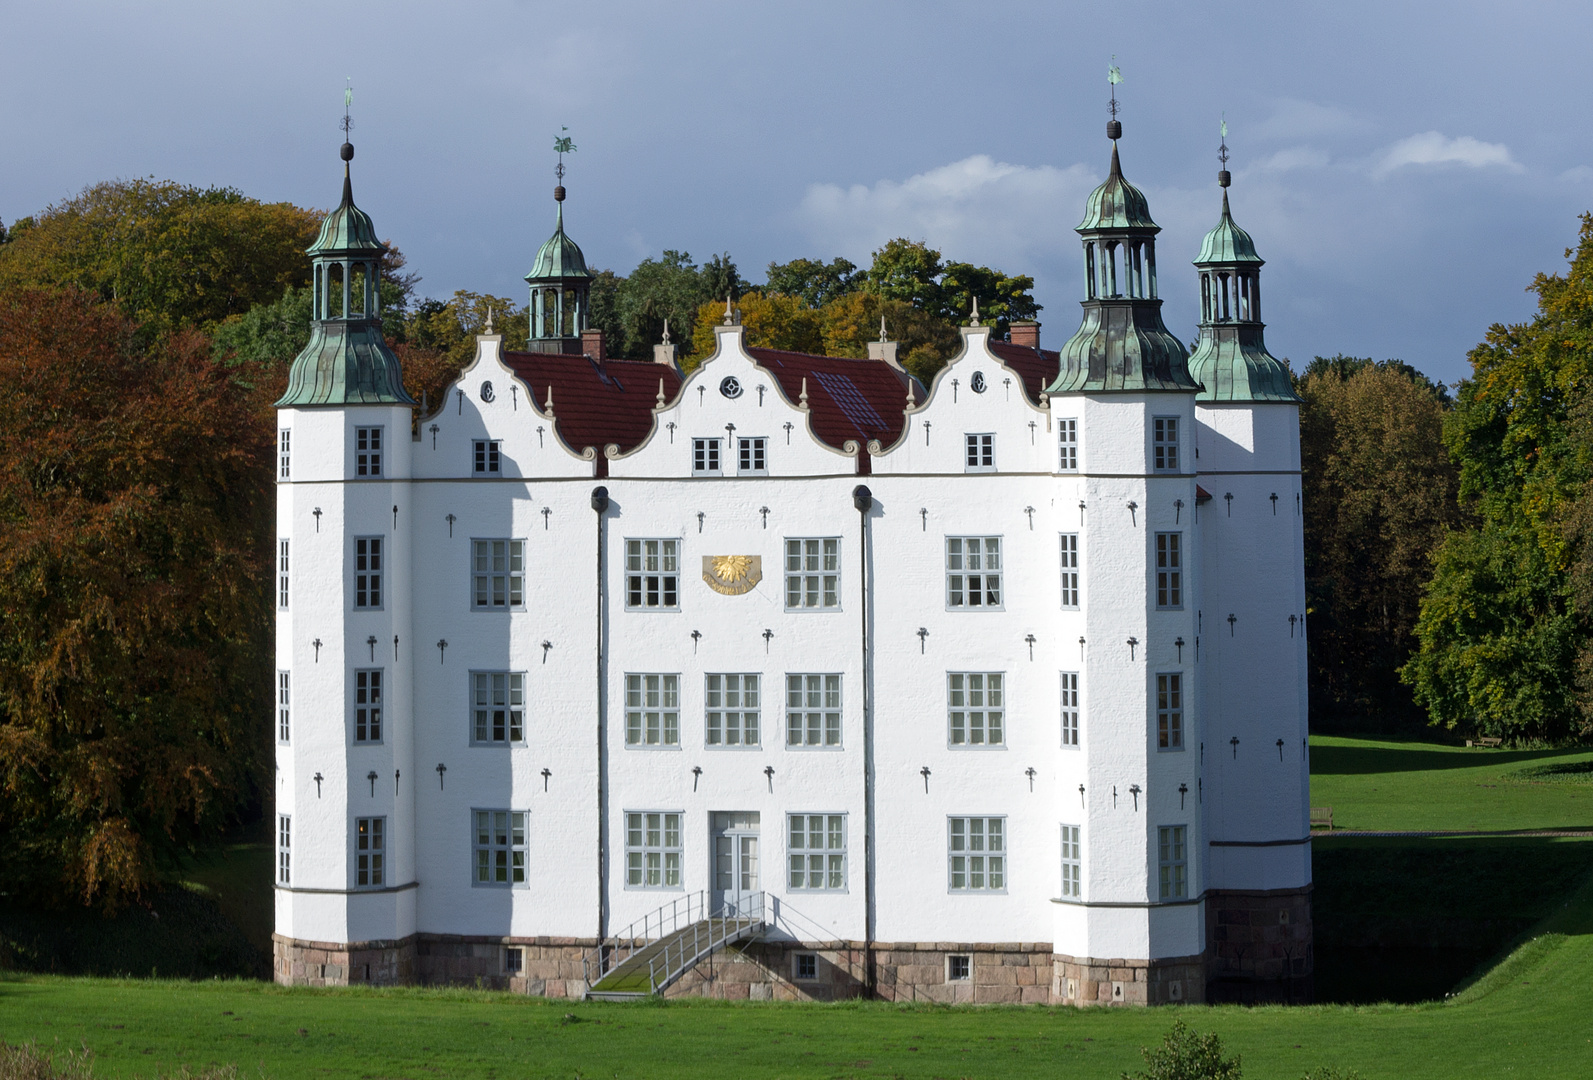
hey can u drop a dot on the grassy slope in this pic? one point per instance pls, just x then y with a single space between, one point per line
1380 784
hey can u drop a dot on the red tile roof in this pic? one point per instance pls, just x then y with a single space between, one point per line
596 403
849 399
1037 367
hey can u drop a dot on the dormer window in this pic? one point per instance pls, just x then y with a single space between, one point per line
753 456
705 458
487 457
980 453
1164 443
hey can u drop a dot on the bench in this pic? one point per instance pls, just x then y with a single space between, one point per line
1485 741
1322 816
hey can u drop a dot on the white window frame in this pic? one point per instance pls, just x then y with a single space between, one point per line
1067 428
499 848
813 711
1070 571
976 709
486 457
652 862
652 574
1172 862
1169 711
284 453
497 574
959 967
497 702
1072 863
816 868
1070 710
979 451
368 573
370 852
1164 444
284 849
366 712
368 451
282 575
813 573
733 710
752 455
973 865
1169 556
707 456
284 706
652 710
961 594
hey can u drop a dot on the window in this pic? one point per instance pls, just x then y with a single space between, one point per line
282 575
1170 712
513 960
959 967
1070 570
367 451
705 457
1164 442
805 966
753 456
368 706
732 710
486 456
813 573
652 850
652 710
973 571
978 854
652 573
1071 863
368 571
975 707
816 852
1068 439
499 574
500 847
981 453
498 707
284 850
370 846
284 729
1070 710
1174 877
284 448
813 710
1169 570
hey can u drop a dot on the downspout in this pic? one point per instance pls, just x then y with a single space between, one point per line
600 505
863 499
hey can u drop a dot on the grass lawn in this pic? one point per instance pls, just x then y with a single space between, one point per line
1382 784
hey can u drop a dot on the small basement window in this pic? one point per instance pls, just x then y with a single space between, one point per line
959 968
513 960
805 966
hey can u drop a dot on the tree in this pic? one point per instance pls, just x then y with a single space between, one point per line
671 288
814 282
908 270
923 342
170 256
1501 625
135 629
1002 299
1186 1054
1380 494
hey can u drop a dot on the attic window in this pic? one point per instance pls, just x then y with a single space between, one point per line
980 453
705 458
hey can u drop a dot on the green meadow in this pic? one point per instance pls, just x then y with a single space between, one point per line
1512 917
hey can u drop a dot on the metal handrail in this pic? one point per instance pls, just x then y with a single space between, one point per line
634 940
715 940
686 911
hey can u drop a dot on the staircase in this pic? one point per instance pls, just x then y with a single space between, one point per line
664 945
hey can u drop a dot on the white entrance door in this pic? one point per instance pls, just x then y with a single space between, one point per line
735 858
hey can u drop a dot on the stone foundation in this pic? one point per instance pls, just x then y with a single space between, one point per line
326 963
1259 945
1083 980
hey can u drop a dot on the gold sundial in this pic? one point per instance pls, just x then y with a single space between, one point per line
732 575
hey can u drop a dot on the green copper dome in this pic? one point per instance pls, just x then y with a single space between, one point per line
1228 243
560 257
1116 204
348 228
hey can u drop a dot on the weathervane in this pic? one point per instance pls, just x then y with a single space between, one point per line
1114 75
1223 178
348 100
562 144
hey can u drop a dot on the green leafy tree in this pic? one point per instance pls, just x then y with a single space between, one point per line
814 282
910 271
1002 299
670 288
1186 1054
1381 495
265 339
1500 628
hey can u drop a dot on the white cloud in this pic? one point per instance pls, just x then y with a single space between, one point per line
1435 148
1295 157
1295 119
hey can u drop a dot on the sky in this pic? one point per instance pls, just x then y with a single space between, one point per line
1405 168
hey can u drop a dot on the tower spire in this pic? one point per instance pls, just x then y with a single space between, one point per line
1223 178
346 151
1114 130
562 145
560 282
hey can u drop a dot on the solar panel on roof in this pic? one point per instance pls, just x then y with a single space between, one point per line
852 402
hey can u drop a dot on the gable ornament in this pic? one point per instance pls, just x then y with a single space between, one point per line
732 575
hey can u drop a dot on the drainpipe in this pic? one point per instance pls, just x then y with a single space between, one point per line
863 499
600 505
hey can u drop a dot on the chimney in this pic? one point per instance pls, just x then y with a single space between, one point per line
592 344
1025 333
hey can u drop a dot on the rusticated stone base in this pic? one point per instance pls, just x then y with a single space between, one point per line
1082 980
999 973
326 963
1259 945
556 967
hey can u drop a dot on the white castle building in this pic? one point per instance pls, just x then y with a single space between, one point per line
792 677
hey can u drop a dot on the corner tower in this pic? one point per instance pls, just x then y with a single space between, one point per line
559 280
